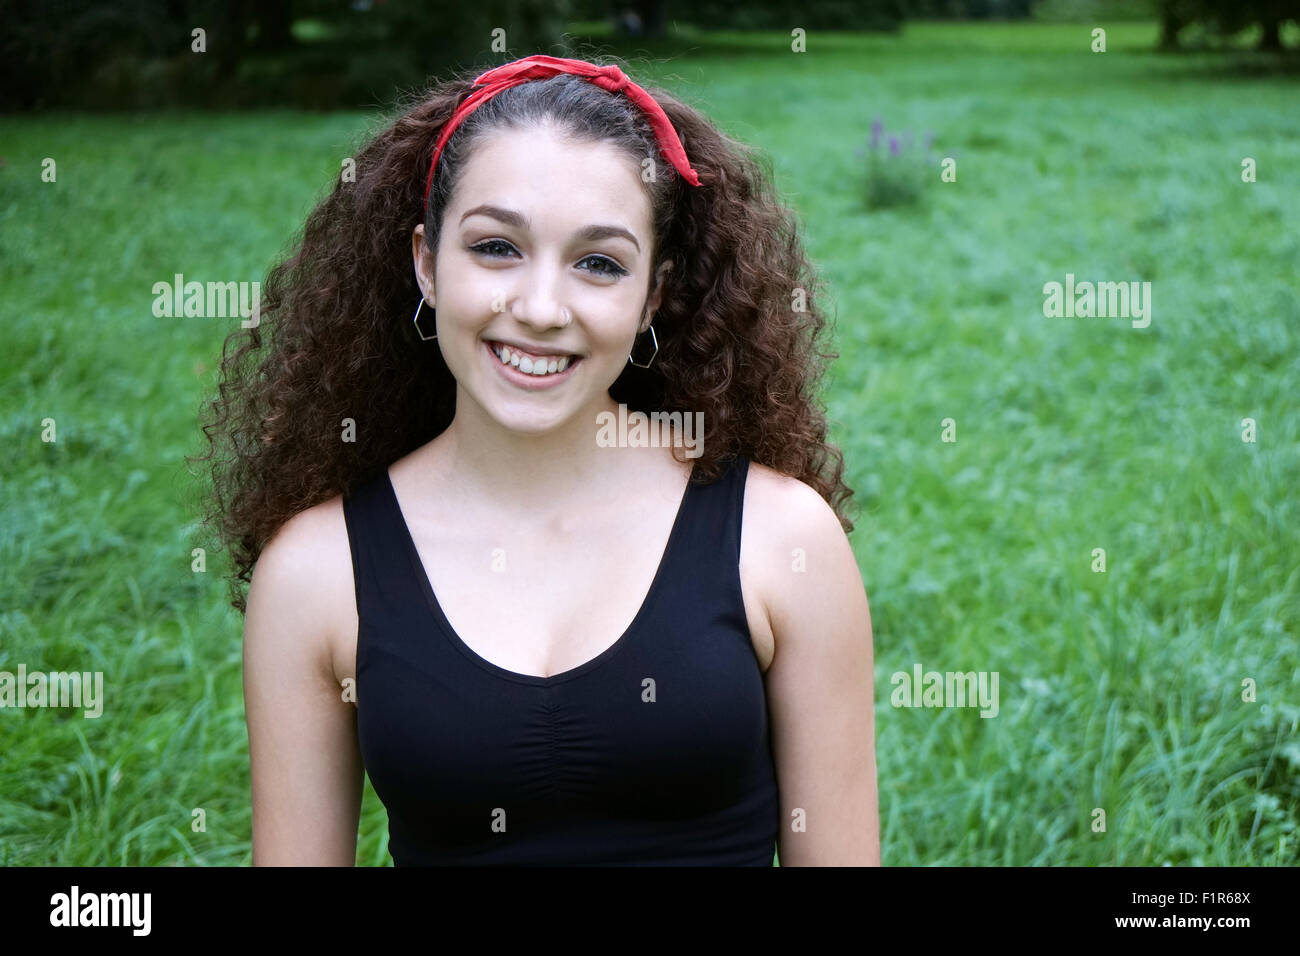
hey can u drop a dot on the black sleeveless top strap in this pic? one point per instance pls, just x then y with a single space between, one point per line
654 753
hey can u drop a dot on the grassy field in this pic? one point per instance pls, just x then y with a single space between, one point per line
1120 691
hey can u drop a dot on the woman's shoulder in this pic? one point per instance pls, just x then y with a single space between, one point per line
782 505
302 581
797 564
309 540
785 523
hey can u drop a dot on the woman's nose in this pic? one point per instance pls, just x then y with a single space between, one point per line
539 307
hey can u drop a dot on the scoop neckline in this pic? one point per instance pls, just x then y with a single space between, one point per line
456 641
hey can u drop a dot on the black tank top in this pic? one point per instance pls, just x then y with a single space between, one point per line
655 752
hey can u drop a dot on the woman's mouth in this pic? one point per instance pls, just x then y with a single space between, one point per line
529 370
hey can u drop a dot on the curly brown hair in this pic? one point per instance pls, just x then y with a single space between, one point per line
334 338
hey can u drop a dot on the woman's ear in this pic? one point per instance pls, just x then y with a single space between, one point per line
656 296
423 258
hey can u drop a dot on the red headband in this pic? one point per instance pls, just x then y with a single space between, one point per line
539 67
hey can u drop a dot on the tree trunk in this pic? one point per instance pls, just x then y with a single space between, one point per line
230 39
652 17
1170 26
274 18
1270 40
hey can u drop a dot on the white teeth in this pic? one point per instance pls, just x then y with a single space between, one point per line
528 365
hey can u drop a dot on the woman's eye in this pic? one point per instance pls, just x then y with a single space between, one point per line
608 266
483 247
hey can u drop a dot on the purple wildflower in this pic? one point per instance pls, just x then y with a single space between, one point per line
876 127
893 146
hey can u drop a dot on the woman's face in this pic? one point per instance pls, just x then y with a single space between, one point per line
545 252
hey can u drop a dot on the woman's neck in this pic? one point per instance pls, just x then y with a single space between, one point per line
536 473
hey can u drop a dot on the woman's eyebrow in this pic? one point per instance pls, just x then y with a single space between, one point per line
519 221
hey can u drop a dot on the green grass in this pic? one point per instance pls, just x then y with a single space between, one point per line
1120 691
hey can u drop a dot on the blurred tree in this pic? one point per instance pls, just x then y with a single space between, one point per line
140 53
50 49
1174 15
274 23
785 15
1228 17
642 18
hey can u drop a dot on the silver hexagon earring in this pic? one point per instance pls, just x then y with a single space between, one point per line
653 338
416 322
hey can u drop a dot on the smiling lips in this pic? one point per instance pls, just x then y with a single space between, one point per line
529 363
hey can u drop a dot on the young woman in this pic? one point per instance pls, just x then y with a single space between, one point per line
548 637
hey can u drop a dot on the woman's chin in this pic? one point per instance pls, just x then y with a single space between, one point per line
530 421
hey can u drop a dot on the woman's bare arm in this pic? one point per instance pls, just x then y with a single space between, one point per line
302 736
820 684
